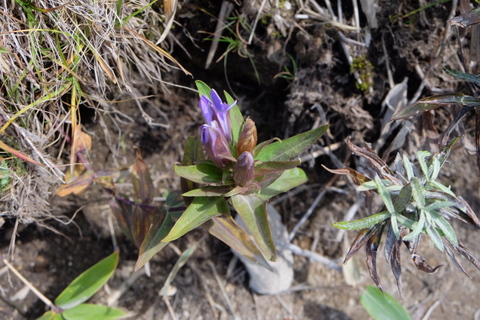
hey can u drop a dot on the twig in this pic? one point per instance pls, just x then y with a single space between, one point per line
224 292
259 14
225 10
34 290
332 264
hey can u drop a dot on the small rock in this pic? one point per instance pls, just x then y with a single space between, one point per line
262 280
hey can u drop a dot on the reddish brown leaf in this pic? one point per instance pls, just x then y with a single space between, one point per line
81 141
77 186
467 254
142 183
18 154
142 220
359 241
422 265
470 213
392 254
371 250
123 213
357 177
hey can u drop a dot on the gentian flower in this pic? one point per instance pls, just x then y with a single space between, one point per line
216 145
217 110
244 170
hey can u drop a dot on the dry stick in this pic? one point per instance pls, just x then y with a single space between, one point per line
430 310
310 210
256 21
419 91
225 10
224 292
34 290
332 264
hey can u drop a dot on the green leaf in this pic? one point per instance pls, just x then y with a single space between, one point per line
408 167
382 306
153 241
4 50
88 283
236 118
446 228
178 265
362 223
288 180
209 191
439 205
50 315
409 223
288 149
403 198
253 211
92 312
418 193
384 194
200 210
203 88
227 230
421 156
440 187
267 167
418 227
436 238
463 76
431 103
201 173
435 167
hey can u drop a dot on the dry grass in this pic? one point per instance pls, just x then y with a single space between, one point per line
56 57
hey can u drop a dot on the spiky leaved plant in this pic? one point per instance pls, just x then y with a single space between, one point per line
416 206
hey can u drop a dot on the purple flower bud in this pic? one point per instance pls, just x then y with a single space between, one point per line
216 145
216 110
244 170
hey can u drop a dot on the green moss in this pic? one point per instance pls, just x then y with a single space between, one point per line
364 68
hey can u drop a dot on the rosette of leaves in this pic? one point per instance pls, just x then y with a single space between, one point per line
211 188
416 206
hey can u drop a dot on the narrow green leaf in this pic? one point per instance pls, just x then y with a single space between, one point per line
384 194
418 193
88 283
394 224
178 265
435 167
431 103
362 223
446 228
463 76
92 312
380 305
367 186
418 227
409 223
201 173
253 211
200 210
440 187
4 50
421 157
288 149
436 238
288 180
153 241
203 88
267 167
439 205
227 230
209 191
49 315
408 167
236 118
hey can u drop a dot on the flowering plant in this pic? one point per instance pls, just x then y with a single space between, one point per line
235 170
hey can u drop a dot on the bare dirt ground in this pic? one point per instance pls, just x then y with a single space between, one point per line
321 88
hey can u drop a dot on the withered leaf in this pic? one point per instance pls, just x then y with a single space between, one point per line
466 253
77 186
392 255
142 183
356 176
122 211
359 241
371 250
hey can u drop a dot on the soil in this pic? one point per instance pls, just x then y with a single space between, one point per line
323 89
